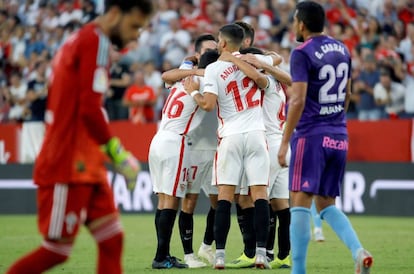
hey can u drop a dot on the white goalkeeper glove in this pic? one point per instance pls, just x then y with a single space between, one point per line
124 162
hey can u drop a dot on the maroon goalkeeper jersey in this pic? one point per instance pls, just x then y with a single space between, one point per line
75 122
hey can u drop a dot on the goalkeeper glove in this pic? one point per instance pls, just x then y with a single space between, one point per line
124 162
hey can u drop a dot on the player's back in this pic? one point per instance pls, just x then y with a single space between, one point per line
69 153
274 103
239 99
325 64
180 113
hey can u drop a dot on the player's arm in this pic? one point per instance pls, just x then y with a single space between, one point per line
273 70
93 61
276 58
206 101
300 69
94 83
348 94
174 75
186 69
259 78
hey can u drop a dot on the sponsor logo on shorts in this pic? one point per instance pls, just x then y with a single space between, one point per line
334 144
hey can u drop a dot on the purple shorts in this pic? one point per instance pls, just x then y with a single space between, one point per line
318 164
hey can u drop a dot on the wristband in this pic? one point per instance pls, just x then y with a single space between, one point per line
194 93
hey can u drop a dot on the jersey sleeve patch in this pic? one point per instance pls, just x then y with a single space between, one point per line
100 80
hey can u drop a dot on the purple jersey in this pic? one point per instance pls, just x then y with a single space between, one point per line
325 64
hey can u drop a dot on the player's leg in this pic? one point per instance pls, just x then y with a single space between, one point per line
168 163
245 217
186 227
280 207
57 240
228 168
222 222
261 223
333 178
206 249
198 170
257 167
305 170
317 224
105 226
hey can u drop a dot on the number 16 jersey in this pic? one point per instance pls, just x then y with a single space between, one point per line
239 107
180 113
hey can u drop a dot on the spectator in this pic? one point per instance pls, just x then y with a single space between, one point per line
4 99
120 80
34 43
140 98
70 14
363 86
154 80
17 92
281 21
389 94
89 13
18 47
37 93
50 20
174 43
407 43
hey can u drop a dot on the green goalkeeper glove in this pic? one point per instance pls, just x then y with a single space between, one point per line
124 162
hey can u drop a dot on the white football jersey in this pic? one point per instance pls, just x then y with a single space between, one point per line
180 112
204 137
274 103
239 98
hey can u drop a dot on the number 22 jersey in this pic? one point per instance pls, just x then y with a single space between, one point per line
325 64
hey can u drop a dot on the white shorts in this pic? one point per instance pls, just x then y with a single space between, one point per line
168 163
242 152
201 168
279 177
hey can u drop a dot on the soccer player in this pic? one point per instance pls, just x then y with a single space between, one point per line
321 71
203 144
235 86
69 171
169 164
274 118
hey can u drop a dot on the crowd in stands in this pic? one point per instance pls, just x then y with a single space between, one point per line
378 33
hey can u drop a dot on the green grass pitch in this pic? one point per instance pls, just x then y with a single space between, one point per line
390 240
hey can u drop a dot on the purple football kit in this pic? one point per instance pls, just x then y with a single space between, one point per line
320 143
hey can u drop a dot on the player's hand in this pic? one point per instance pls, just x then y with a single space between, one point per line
191 84
124 162
192 58
199 72
226 56
252 60
281 155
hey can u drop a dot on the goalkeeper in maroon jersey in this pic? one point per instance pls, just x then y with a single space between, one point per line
69 171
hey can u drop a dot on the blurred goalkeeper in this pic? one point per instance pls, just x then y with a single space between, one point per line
70 172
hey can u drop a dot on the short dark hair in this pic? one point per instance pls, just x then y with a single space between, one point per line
234 33
145 6
208 57
312 15
252 50
248 30
200 39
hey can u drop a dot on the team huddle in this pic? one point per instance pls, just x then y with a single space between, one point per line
224 129
242 155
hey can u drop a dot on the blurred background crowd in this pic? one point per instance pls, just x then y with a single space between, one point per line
378 33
